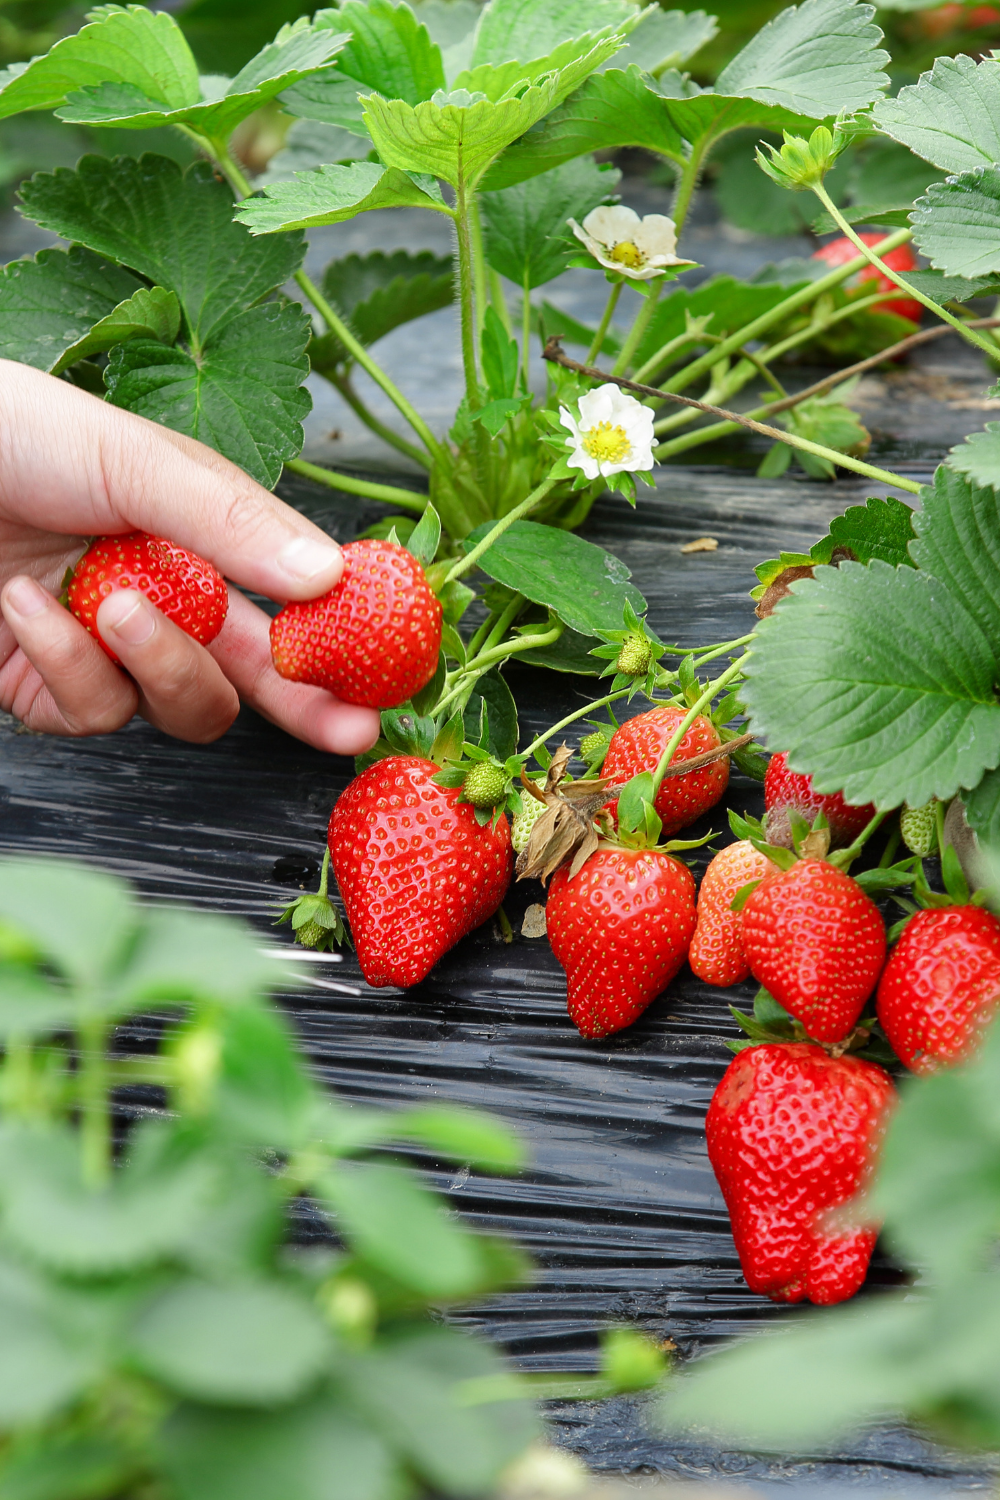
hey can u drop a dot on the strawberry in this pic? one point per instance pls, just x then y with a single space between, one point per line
182 585
637 746
374 639
716 954
415 869
838 252
792 1135
941 986
620 927
816 942
788 791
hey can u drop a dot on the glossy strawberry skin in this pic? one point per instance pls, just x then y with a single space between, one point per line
716 955
792 1135
838 252
786 791
941 986
415 869
620 928
816 942
637 746
374 639
182 585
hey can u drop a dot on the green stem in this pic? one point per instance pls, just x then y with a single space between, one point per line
699 660
605 323
526 330
482 634
467 300
889 852
588 708
343 385
686 188
659 359
95 1117
988 346
388 493
487 659
478 267
689 718
638 328
470 559
844 857
503 623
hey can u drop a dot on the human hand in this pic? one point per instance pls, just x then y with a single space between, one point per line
72 467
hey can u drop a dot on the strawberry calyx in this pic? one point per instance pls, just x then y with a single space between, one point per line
770 1023
316 922
812 841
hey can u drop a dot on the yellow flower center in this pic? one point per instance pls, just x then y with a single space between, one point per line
627 254
607 443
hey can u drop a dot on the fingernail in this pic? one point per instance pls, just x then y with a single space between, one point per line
128 615
304 558
25 597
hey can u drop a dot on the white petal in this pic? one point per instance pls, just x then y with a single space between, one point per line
597 406
580 459
568 420
612 222
656 235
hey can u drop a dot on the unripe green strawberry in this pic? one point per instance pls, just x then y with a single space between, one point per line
594 747
918 826
311 935
485 784
635 655
524 821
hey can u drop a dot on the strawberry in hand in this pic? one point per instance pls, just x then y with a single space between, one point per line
792 1136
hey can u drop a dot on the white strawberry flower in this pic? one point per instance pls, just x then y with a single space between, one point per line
613 433
640 249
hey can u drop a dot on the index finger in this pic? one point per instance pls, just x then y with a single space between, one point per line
71 463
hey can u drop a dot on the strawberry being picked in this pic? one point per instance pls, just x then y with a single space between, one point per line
182 585
788 792
415 869
374 639
716 954
792 1136
637 746
941 986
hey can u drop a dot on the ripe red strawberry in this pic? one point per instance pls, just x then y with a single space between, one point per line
620 928
415 869
838 252
789 791
637 746
716 954
374 639
941 986
792 1135
816 942
182 585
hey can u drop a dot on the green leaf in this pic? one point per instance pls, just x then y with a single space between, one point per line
425 538
408 1387
886 175
500 357
501 713
880 529
585 586
826 420
30 1006
263 1094
330 195
982 808
570 653
142 1215
297 50
47 1355
320 1449
945 289
188 958
906 712
456 136
174 227
130 46
376 293
818 59
951 117
979 456
956 224
243 395
49 304
310 144
390 52
527 29
550 319
250 1343
467 1136
392 1221
958 541
95 915
150 313
526 235
666 39
66 1468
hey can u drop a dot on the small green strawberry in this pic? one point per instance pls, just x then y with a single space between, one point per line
485 784
918 826
594 747
636 654
524 822
315 921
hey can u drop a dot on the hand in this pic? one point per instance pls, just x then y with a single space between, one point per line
72 467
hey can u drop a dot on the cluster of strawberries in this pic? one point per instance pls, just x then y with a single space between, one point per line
794 1126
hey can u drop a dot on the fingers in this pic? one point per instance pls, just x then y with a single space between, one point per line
243 651
70 463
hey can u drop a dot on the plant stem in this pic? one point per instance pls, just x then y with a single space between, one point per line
387 493
486 659
988 346
844 857
502 624
95 1120
686 189
656 361
588 708
689 718
526 330
467 300
343 385
605 323
470 559
698 660
638 328
478 266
